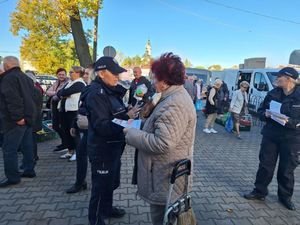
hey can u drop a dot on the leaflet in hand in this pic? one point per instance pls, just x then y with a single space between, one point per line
278 120
128 123
276 115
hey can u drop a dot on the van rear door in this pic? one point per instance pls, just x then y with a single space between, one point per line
259 87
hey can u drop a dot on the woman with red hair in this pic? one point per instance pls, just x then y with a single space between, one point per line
167 135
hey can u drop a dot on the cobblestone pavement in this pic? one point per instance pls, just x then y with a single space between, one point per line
224 168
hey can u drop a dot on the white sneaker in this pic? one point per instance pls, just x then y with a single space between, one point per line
73 158
66 156
206 131
213 131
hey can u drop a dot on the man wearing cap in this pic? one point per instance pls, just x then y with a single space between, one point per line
105 139
280 140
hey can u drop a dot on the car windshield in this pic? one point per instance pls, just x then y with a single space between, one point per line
272 76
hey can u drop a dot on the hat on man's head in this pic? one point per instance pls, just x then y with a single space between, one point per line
110 64
289 72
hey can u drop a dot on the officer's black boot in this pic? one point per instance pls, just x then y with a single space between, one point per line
76 188
114 213
287 202
254 195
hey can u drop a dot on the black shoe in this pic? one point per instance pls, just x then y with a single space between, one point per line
6 183
76 188
253 195
114 213
60 149
287 202
28 175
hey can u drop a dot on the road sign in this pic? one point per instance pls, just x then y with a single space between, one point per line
109 51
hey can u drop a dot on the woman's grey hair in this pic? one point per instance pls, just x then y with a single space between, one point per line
1 67
94 74
295 81
244 83
218 83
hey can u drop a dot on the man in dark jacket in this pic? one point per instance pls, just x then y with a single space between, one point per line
139 80
105 140
38 100
1 132
281 139
18 113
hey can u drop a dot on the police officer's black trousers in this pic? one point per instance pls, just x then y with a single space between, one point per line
104 175
288 152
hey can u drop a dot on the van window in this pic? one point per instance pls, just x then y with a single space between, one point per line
272 76
260 82
243 76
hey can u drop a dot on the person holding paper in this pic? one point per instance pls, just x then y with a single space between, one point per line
105 139
138 81
281 138
167 135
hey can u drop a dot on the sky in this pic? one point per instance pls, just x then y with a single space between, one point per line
206 32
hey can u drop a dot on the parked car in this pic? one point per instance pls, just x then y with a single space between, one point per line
46 81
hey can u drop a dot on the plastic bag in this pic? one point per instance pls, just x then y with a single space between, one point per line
225 118
229 124
82 122
199 105
141 90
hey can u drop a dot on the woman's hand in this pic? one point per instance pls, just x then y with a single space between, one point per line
125 131
73 132
55 98
134 112
268 114
21 122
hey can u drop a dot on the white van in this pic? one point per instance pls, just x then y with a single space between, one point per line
261 81
202 74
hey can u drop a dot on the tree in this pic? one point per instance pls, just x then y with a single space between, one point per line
120 57
47 55
132 62
187 63
127 62
200 67
215 67
56 20
95 34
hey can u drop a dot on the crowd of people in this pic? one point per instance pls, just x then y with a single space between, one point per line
83 108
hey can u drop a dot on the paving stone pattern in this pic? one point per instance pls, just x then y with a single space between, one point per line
224 168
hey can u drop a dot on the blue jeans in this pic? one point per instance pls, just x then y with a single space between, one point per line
18 137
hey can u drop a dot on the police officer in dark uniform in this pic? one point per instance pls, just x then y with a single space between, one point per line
105 139
280 140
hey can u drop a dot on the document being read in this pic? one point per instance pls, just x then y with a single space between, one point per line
128 123
276 115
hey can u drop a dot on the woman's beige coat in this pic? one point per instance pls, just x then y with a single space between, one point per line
167 136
